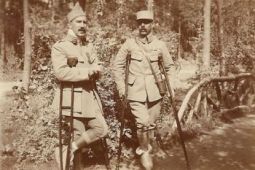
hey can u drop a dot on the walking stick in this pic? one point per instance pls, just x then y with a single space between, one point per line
71 62
124 109
172 101
103 140
70 136
60 127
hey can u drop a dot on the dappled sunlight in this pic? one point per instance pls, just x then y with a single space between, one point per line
213 77
228 147
221 153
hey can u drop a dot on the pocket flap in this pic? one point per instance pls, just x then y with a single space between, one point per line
154 57
136 56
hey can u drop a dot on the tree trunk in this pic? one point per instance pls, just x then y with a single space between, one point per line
2 33
177 24
56 4
11 32
100 8
179 41
207 31
27 38
120 14
222 71
82 4
150 5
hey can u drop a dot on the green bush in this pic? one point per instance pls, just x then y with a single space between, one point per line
37 123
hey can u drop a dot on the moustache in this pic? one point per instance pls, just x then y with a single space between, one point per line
143 29
81 29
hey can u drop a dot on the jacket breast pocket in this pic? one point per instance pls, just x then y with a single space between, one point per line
154 55
136 56
154 58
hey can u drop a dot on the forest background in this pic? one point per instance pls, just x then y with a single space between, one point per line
30 30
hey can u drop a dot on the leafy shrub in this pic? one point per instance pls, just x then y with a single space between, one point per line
38 124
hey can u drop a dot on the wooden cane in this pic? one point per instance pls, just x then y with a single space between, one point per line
60 127
70 135
172 101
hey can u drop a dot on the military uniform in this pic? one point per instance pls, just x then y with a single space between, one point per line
142 85
89 124
87 104
143 93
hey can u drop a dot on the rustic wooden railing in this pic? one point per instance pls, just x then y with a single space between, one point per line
215 95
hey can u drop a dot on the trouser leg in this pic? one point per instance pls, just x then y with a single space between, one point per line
68 140
86 131
145 113
146 116
143 139
139 110
75 155
96 129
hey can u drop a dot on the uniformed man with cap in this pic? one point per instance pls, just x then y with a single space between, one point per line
143 92
87 106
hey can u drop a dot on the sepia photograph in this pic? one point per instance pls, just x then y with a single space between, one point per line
127 84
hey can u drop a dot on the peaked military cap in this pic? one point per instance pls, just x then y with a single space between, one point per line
145 14
75 12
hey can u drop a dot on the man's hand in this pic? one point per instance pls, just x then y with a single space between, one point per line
72 61
96 70
124 101
121 93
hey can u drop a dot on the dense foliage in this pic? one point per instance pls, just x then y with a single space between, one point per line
109 26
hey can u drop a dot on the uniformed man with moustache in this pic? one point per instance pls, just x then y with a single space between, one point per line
143 92
88 113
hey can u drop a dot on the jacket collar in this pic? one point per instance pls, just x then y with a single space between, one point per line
74 39
146 40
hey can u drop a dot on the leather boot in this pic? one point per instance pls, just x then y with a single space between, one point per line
146 159
78 160
145 148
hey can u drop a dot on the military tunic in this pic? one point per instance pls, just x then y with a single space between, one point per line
141 82
86 100
88 111
143 93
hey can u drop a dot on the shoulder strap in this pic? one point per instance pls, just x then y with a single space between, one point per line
148 60
128 57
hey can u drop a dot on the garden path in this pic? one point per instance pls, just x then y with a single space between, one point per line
231 146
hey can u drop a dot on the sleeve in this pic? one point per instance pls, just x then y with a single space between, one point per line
62 71
168 60
91 54
169 66
118 67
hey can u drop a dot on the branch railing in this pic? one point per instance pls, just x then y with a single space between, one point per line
216 94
